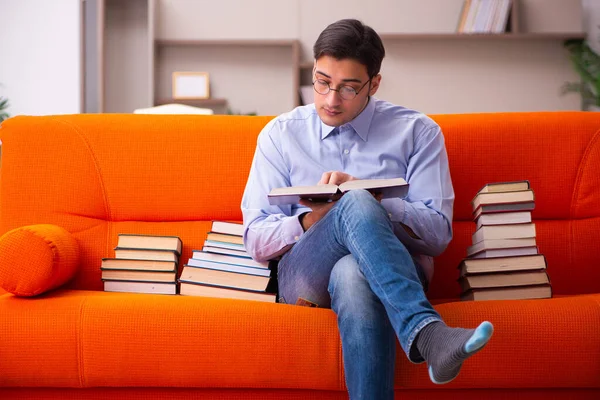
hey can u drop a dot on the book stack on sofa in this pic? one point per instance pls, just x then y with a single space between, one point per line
143 264
224 269
504 262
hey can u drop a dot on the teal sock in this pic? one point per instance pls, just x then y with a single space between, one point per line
445 348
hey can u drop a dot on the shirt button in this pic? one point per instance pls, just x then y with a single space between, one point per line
346 151
296 238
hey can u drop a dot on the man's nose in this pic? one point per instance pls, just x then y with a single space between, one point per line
333 97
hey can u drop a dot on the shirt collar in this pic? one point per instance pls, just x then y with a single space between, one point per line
360 124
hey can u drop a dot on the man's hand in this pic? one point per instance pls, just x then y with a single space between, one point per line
319 210
335 178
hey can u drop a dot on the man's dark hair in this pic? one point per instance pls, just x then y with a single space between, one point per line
350 38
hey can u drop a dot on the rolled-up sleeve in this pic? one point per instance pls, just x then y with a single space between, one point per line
269 230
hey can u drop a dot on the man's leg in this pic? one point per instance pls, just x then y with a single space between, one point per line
359 225
368 339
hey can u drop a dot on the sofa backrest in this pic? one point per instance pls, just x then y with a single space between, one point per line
100 175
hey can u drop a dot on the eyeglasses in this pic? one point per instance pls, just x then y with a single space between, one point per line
346 92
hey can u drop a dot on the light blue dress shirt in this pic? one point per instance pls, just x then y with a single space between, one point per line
383 141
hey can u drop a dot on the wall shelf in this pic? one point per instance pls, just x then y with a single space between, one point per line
194 102
483 36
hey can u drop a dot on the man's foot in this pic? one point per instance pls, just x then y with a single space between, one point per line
446 348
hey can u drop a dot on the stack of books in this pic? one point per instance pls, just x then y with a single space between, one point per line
504 262
224 269
143 264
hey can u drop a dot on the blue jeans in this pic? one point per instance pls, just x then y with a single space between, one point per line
352 262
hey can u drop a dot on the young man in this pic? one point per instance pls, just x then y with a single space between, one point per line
368 259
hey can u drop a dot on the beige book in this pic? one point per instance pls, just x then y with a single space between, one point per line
138 276
505 218
514 231
519 196
146 254
134 241
224 278
146 265
511 186
515 251
510 293
503 279
220 237
227 228
501 264
491 244
140 287
191 289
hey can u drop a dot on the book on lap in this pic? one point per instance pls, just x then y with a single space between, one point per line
389 188
195 289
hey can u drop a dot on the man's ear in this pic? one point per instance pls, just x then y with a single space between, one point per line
375 84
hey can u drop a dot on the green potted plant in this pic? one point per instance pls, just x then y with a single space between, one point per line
3 107
587 64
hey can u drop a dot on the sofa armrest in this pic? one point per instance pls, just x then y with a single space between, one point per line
37 258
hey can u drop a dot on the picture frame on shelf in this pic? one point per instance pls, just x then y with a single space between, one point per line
191 85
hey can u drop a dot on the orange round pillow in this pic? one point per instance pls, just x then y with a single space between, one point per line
37 258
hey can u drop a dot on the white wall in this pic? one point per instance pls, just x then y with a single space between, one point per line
40 56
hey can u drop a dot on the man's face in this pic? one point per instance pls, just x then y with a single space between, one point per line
339 75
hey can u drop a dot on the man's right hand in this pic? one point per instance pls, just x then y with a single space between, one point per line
319 210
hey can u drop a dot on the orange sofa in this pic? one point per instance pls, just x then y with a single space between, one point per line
70 184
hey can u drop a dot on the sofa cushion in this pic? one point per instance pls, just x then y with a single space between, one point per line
136 340
37 258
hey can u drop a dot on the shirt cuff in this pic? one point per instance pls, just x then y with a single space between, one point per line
292 230
395 208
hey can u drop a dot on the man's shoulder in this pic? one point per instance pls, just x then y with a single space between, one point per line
388 111
298 115
297 120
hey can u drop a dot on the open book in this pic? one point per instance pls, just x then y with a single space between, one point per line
389 188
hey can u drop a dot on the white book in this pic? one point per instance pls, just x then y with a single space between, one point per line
229 267
228 259
224 245
231 252
140 287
